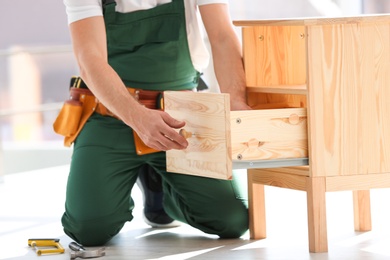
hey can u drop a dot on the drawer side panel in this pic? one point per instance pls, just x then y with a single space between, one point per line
269 134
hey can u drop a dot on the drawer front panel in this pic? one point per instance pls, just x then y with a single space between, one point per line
208 134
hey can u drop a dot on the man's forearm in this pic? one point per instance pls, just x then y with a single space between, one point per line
109 89
226 49
229 69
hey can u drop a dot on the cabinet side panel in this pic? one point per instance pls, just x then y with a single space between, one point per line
349 93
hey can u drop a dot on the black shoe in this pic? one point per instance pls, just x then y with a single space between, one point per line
150 185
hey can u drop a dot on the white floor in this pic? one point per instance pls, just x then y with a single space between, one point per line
31 204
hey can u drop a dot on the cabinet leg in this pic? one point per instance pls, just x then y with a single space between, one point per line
316 206
256 205
362 210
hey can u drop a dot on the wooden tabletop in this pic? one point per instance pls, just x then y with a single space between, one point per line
315 20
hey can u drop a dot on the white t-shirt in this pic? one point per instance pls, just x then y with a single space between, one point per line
80 9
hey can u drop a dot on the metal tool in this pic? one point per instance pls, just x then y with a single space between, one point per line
44 246
78 250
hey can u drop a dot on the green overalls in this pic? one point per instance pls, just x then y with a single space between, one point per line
149 50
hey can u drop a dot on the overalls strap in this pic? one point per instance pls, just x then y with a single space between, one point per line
149 48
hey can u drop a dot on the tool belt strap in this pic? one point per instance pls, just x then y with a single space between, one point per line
148 98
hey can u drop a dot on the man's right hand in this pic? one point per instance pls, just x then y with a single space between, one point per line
156 129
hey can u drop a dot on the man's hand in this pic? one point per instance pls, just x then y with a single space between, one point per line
156 129
238 105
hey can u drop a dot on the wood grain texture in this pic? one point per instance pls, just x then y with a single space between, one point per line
358 182
275 100
298 170
273 177
207 118
269 134
316 214
362 210
349 93
275 57
280 89
256 208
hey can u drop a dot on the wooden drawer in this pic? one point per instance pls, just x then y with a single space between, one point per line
220 139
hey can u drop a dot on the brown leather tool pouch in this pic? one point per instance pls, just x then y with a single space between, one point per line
74 114
67 121
140 147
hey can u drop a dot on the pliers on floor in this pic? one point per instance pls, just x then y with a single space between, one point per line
78 250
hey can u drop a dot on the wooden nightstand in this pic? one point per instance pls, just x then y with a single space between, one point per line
320 89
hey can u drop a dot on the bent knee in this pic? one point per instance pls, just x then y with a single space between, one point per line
225 224
235 226
91 233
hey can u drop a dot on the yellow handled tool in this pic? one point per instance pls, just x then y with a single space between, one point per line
44 246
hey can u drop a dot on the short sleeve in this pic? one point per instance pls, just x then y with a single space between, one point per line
205 2
81 9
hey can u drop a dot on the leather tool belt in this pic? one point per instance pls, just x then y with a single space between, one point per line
82 104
